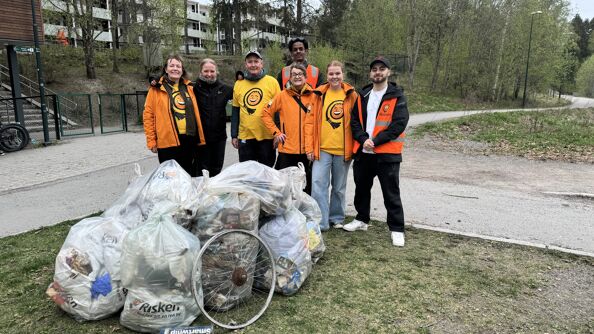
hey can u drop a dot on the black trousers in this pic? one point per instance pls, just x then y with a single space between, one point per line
285 160
365 168
184 154
261 151
211 157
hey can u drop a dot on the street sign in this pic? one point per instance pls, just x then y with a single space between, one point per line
24 49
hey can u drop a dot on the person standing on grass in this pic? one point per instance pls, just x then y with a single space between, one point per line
212 96
250 95
329 144
292 105
171 118
299 48
378 121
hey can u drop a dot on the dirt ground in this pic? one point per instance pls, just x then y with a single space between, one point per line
465 163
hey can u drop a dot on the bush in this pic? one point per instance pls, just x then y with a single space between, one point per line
585 78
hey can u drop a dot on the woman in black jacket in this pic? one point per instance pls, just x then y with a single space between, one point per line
212 96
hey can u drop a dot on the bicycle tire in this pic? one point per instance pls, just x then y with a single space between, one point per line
252 271
13 137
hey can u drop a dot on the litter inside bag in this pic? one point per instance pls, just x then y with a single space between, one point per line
233 253
297 180
87 269
157 260
288 239
169 182
271 187
313 215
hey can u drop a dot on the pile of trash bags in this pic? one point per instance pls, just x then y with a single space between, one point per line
138 256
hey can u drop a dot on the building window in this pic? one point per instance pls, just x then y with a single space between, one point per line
194 25
203 13
102 25
100 4
197 42
194 9
203 27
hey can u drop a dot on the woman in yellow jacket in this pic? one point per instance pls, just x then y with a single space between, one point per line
171 119
292 104
329 144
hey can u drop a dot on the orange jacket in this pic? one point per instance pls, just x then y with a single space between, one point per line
292 117
159 126
313 123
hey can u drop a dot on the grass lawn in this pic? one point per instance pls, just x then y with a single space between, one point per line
422 102
555 134
438 283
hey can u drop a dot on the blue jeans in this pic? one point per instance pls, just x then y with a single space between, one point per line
329 164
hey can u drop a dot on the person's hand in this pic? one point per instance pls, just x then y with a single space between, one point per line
310 156
153 149
368 145
235 142
280 139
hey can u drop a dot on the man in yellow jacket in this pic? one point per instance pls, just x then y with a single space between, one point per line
292 105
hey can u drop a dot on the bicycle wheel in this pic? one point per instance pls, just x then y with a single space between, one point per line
13 137
233 278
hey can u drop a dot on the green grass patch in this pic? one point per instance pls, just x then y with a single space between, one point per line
438 283
554 134
423 102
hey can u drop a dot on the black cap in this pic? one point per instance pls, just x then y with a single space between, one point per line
253 52
380 59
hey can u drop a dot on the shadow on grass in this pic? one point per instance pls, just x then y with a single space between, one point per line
438 283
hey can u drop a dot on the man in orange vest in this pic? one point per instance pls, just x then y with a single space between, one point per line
299 48
378 121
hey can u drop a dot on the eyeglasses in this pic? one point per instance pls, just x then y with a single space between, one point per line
297 75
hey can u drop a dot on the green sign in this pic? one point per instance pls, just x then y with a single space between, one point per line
24 49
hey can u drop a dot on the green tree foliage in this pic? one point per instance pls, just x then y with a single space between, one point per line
585 78
583 29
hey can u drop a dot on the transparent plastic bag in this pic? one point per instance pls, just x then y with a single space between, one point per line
215 214
313 215
272 188
87 270
288 239
168 182
157 260
298 182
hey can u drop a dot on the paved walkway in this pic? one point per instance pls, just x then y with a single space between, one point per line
79 176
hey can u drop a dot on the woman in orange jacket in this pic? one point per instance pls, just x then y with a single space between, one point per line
171 118
329 144
292 105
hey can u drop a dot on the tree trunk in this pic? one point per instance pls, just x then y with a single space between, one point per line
114 37
437 62
299 25
237 26
494 94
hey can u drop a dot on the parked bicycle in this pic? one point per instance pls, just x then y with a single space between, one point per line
13 137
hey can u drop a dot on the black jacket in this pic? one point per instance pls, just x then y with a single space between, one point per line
212 102
396 127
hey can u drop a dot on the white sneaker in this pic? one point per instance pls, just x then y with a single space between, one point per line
398 239
355 225
338 226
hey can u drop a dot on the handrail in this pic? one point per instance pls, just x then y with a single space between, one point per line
30 84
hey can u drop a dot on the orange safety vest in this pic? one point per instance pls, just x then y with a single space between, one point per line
382 121
312 76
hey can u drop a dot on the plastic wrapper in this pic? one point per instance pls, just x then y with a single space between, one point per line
157 260
272 188
223 212
288 239
87 270
169 182
313 215
298 182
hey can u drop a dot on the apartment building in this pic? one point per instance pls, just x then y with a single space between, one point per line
200 32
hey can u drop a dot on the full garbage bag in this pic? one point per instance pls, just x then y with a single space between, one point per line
157 260
168 182
233 253
272 188
313 216
288 239
87 269
298 181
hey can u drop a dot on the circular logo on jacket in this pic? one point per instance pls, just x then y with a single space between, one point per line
335 113
251 99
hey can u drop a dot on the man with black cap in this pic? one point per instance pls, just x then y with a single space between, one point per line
378 121
299 48
250 96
